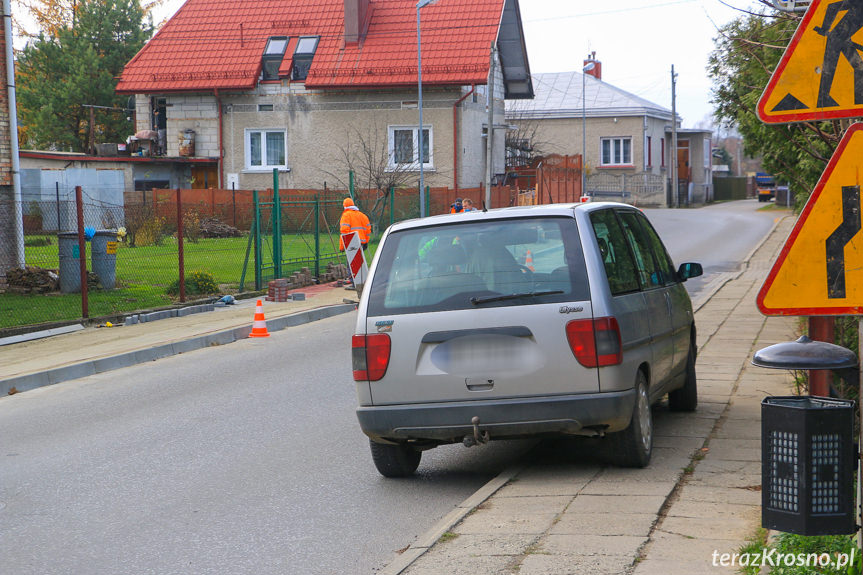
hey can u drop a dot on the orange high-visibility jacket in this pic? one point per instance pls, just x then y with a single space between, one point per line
354 221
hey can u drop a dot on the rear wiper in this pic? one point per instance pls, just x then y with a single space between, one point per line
491 298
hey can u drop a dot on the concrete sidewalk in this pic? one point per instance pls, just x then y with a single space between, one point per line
569 513
36 363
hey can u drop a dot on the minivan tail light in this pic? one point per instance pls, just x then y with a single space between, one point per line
595 342
370 356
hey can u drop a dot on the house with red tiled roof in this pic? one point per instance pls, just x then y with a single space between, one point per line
286 84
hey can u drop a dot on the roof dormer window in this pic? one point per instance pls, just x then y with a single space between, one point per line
272 58
303 55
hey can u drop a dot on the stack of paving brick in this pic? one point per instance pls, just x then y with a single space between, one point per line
334 272
277 290
301 278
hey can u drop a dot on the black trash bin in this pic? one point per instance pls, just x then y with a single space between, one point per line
808 462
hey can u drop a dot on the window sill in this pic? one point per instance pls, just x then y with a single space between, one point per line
264 170
426 169
617 167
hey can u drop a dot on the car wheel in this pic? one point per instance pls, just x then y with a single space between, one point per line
633 446
686 398
395 460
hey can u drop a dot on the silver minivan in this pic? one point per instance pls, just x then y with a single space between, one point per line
519 322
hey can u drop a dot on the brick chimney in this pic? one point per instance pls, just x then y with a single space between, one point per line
597 66
357 14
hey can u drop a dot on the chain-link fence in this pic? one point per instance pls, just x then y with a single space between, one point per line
138 246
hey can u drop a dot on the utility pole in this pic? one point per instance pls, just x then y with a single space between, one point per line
675 193
489 148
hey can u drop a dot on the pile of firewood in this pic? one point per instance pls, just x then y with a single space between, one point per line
32 279
214 228
36 280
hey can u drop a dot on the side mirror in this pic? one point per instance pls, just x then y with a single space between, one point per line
689 270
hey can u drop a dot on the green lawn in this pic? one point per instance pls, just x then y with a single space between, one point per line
144 273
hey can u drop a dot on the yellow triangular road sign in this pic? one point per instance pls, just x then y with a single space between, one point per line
820 75
820 268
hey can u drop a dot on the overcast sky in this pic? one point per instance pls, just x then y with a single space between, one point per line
637 42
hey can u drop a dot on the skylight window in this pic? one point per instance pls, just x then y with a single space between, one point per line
272 58
303 55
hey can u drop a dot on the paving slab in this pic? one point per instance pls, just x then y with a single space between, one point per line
437 563
632 524
550 481
684 549
652 566
709 493
684 507
601 486
726 479
458 546
725 528
527 505
495 522
588 545
541 564
623 504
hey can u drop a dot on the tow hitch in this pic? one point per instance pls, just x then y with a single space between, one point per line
478 437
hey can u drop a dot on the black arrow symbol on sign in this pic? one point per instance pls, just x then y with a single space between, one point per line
839 239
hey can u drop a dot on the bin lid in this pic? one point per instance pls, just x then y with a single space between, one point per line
808 402
805 354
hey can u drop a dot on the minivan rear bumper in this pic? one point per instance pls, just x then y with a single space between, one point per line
501 418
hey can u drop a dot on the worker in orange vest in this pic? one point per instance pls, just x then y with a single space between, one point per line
353 220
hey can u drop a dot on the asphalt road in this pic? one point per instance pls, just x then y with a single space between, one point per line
717 236
247 458
239 459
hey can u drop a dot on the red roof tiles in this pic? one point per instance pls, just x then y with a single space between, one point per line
217 44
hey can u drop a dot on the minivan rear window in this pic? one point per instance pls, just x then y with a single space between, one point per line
471 265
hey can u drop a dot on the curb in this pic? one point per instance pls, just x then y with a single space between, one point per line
428 539
92 367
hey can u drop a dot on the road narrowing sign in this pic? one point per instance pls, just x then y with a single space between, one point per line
820 75
820 268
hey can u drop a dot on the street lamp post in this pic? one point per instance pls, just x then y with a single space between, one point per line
421 4
587 68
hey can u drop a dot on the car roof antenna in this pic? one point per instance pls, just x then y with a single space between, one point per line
484 209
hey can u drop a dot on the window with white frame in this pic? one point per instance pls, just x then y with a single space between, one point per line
404 143
266 149
616 152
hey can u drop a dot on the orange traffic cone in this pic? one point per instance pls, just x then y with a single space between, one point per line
528 261
259 326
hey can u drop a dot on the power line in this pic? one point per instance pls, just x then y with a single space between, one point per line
606 12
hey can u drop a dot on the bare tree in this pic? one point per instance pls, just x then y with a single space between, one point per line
367 154
524 144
